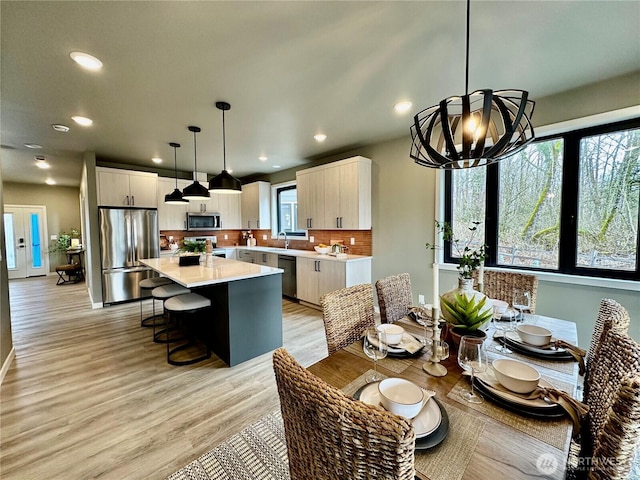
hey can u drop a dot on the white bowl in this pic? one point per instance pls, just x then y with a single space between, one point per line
499 306
401 396
392 331
534 335
515 375
322 250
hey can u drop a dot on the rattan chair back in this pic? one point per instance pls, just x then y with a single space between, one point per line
346 314
611 316
500 285
617 443
394 297
331 436
619 358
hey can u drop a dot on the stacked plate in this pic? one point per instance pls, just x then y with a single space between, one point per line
489 387
431 424
514 342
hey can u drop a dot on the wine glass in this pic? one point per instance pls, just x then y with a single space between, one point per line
441 349
375 347
521 301
472 357
502 327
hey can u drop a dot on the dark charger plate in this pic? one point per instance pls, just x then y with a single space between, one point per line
550 413
404 353
434 438
534 351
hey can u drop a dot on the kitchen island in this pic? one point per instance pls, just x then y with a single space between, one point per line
246 304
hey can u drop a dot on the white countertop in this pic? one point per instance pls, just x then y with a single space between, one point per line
304 253
223 271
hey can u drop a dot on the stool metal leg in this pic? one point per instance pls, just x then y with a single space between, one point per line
190 343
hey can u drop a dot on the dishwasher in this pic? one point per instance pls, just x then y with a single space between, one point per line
288 264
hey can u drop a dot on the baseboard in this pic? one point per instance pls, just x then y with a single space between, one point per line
7 364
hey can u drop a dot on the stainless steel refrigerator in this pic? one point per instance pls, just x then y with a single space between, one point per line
126 236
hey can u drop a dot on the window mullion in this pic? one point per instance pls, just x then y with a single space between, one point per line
569 205
492 214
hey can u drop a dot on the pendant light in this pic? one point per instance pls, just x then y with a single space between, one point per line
224 182
175 197
195 191
475 129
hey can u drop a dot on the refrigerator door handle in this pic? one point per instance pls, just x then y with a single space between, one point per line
134 242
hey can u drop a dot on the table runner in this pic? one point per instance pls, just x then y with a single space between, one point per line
449 460
551 432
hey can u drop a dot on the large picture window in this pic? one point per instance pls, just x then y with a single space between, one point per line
568 203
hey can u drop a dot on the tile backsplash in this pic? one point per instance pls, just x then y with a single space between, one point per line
361 238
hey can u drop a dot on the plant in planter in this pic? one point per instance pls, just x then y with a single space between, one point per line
63 242
192 248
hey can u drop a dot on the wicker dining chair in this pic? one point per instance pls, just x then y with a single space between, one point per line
346 314
500 285
609 436
331 436
394 297
611 316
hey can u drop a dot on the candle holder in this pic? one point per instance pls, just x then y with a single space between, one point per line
438 348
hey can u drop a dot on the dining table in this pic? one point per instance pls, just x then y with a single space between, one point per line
483 441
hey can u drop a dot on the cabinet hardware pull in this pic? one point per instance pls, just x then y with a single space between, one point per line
133 200
258 224
127 200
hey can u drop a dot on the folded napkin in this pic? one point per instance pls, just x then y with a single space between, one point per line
409 343
575 351
420 315
576 410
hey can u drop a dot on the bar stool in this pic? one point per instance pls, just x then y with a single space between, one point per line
163 293
189 309
147 285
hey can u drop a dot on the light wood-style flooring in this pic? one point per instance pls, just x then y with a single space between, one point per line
89 395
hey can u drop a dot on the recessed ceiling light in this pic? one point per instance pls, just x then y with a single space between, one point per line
86 61
276 166
41 162
402 107
263 158
50 181
58 127
156 160
32 145
321 137
83 121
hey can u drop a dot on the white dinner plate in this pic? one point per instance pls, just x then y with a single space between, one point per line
489 380
425 423
552 351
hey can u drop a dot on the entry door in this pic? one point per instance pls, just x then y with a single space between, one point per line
24 229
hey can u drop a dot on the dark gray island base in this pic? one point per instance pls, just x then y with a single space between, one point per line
246 317
246 304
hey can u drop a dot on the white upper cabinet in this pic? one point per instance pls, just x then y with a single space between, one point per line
126 188
336 195
256 201
228 206
171 216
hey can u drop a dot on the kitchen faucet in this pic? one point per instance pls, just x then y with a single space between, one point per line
286 244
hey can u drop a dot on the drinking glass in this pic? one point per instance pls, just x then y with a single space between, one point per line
521 302
441 349
472 357
375 347
502 327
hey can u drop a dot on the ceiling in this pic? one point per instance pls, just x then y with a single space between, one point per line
288 69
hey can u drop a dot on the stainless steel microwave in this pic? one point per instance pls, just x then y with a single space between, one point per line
203 221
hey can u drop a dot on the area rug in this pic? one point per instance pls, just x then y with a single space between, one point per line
259 452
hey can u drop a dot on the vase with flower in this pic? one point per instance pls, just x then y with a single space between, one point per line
464 309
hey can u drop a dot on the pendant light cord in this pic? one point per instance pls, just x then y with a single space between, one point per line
224 146
466 81
175 166
195 155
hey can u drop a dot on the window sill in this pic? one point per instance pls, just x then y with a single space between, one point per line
613 283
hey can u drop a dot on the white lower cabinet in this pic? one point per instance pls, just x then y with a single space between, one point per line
316 277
